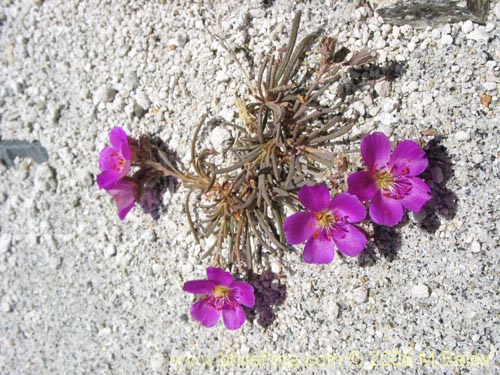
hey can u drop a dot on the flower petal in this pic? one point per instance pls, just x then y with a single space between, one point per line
375 149
318 249
123 192
204 313
106 158
246 295
363 185
385 211
119 140
418 196
106 179
299 227
314 198
199 286
220 276
409 154
352 243
233 319
345 204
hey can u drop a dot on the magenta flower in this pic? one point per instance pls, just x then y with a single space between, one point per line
114 160
224 297
123 192
390 182
327 223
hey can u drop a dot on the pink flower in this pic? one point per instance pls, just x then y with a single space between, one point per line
327 223
224 298
390 182
123 192
114 160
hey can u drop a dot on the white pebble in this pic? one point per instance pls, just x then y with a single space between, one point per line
490 86
479 35
496 10
382 88
158 362
411 46
104 94
5 243
142 100
461 135
420 291
477 158
475 247
446 39
467 27
360 295
359 107
109 251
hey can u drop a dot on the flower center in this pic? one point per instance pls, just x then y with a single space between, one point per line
119 161
394 183
221 291
384 179
325 219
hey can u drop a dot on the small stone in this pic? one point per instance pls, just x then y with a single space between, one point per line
181 38
461 135
436 34
360 295
420 291
467 27
359 107
220 139
475 247
490 86
158 362
44 179
485 100
479 35
411 46
143 100
437 175
5 243
382 88
446 40
109 251
5 306
387 119
477 158
257 13
496 10
104 94
187 268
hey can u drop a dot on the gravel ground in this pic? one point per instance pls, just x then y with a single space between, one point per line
83 293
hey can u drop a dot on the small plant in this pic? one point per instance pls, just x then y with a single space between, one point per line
280 158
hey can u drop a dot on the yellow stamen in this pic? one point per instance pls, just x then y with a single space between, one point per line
221 291
325 219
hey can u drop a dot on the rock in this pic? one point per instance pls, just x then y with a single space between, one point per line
420 291
467 27
479 35
475 247
461 135
44 180
382 88
109 251
220 139
5 243
490 86
158 362
104 94
496 10
437 175
446 40
477 158
360 295
142 100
